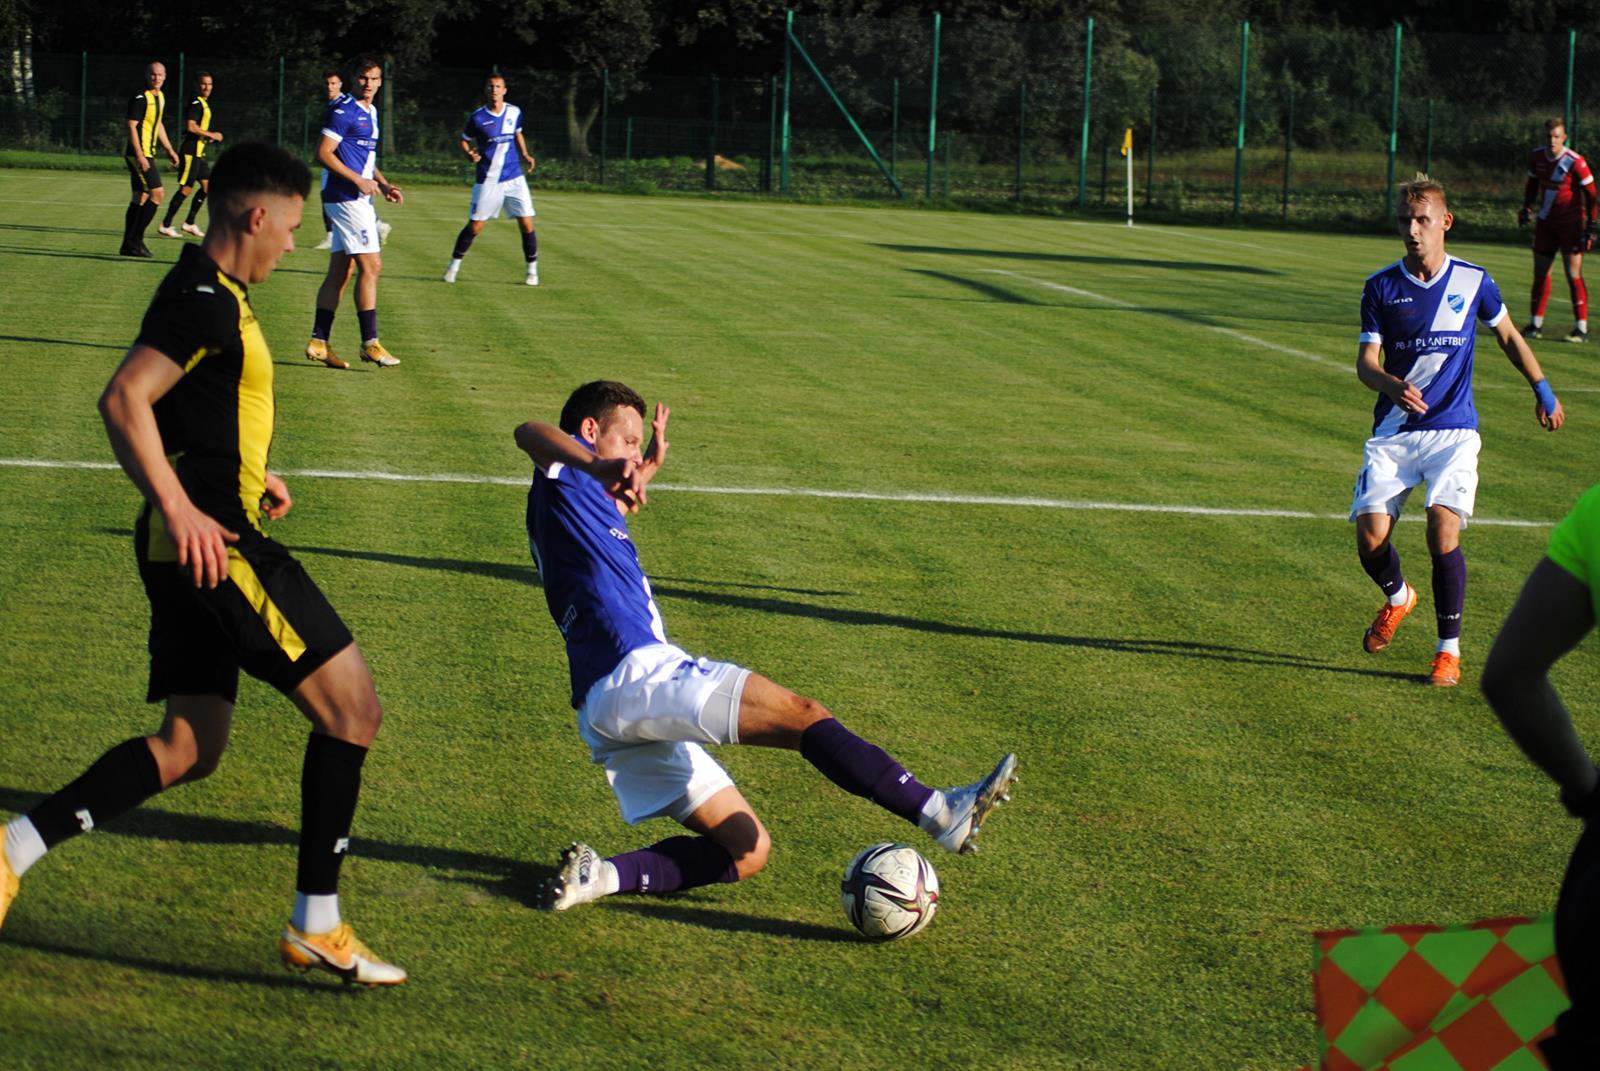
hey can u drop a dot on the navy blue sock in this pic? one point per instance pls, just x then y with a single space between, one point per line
369 323
530 246
463 242
330 780
674 864
119 781
863 769
323 326
1449 592
1384 568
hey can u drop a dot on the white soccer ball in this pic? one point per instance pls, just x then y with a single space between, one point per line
889 891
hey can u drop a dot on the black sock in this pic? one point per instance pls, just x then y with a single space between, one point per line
172 209
329 784
530 246
129 219
194 207
147 212
463 242
322 326
327 222
119 781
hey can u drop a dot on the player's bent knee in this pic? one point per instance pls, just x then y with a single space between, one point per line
753 861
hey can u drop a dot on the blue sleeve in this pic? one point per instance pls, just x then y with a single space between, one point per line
470 131
1490 303
1371 319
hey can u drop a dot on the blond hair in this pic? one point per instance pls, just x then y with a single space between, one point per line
1421 187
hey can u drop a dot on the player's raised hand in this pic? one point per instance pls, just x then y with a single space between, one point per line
1549 421
202 544
623 480
656 453
276 502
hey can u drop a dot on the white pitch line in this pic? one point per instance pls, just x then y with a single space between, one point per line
1069 504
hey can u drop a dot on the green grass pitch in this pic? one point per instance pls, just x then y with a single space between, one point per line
1211 767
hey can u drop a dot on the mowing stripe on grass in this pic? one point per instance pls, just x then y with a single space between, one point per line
812 492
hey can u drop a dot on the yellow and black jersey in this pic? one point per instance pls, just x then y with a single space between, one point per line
199 111
216 423
147 109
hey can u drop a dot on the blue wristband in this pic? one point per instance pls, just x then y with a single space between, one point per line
1546 396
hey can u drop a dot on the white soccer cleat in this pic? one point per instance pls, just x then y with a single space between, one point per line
383 231
577 880
166 231
533 274
969 805
190 228
450 272
326 243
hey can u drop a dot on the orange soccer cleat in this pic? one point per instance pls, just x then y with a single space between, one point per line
1382 629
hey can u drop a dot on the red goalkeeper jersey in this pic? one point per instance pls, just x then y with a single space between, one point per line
1558 198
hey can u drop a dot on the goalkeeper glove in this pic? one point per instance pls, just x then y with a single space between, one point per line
1524 215
1591 236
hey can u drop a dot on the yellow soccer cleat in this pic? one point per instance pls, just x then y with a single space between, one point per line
1446 670
8 881
339 951
1383 627
318 350
373 351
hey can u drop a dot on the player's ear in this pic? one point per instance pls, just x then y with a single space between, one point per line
589 428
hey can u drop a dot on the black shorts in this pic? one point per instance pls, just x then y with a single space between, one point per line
268 618
196 169
143 181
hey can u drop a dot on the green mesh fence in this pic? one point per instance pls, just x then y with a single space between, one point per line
1297 122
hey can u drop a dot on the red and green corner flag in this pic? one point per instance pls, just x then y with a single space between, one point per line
1437 998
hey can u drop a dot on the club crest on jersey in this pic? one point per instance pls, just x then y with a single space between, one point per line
1456 302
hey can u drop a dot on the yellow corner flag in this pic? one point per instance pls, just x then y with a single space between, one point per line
1127 142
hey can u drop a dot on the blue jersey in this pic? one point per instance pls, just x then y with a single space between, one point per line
355 127
1427 330
496 139
596 590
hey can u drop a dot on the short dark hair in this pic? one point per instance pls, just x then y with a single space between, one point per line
255 167
596 399
331 73
204 74
363 64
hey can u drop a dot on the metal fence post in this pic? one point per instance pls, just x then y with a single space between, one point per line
894 131
605 118
772 132
1238 149
711 139
627 150
1088 83
1394 126
279 142
1572 57
305 130
1150 161
933 107
1427 142
1288 154
83 104
1022 132
788 59
181 57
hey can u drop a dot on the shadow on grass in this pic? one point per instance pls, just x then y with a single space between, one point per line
62 342
59 230
988 290
1079 258
193 972
157 261
730 921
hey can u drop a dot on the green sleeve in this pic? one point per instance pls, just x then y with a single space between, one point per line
1575 542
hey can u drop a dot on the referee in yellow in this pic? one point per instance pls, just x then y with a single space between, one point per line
190 413
196 168
145 132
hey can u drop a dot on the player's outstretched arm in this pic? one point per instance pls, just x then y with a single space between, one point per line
1547 408
1552 614
656 454
161 134
1369 368
128 408
549 445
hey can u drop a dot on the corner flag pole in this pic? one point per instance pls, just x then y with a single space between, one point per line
1127 151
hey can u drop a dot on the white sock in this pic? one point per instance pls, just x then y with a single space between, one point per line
1583 325
1538 321
455 262
1452 646
1399 598
935 814
24 846
315 914
609 881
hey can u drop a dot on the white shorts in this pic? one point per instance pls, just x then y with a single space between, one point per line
355 226
1446 460
489 197
646 720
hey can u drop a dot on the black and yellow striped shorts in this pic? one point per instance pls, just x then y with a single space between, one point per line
267 618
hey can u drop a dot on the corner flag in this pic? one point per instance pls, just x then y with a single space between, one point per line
1127 142
1464 998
